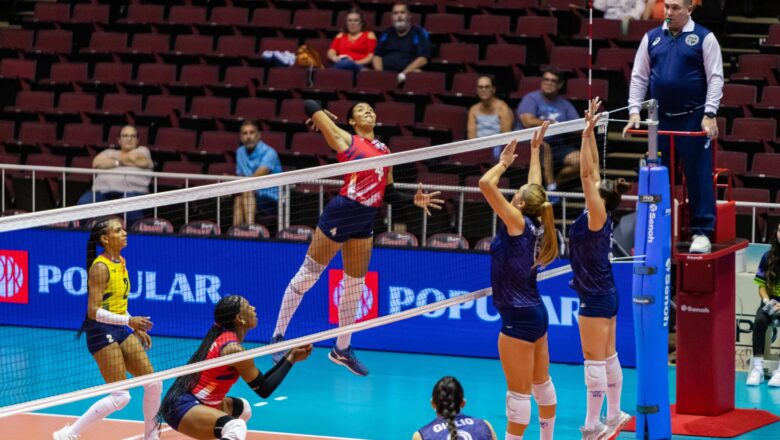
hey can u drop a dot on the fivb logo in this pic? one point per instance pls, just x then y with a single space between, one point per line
368 307
13 277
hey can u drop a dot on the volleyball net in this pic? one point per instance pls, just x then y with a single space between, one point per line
184 254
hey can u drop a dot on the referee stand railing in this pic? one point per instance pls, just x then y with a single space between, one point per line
64 173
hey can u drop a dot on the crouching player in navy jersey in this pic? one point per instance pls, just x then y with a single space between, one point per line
197 404
590 242
450 424
524 241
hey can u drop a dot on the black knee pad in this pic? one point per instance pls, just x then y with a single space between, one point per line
238 407
220 423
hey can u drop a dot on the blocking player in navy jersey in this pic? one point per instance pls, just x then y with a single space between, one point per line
451 424
116 340
590 242
525 240
346 224
197 404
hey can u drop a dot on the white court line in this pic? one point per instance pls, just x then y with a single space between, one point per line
141 436
169 428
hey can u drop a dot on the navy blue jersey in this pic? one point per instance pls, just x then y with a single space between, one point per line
590 257
677 77
511 259
470 428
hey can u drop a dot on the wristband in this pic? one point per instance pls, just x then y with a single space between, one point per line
107 317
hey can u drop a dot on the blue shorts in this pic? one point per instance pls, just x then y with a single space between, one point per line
100 335
599 306
181 405
345 218
525 323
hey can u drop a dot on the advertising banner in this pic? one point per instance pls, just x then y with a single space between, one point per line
177 280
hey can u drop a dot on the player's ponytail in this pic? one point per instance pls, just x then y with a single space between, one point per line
224 320
549 249
448 398
536 205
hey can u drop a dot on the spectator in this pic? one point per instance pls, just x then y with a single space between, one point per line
490 115
353 49
768 281
654 10
546 104
255 158
450 424
129 157
403 47
621 9
681 64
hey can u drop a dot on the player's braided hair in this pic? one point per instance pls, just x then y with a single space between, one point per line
99 229
448 398
224 320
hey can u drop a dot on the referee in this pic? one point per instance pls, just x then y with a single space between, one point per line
681 64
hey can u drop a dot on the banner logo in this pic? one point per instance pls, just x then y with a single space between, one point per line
368 306
13 277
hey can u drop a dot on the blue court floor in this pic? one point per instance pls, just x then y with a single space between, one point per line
321 398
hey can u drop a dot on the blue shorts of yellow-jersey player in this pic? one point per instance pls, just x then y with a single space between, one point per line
100 335
345 218
524 323
599 306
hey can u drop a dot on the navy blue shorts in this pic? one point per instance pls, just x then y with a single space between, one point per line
181 405
100 335
345 218
599 306
525 323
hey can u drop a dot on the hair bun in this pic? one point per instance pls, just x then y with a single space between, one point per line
622 186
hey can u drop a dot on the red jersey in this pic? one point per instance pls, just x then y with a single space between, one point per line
357 49
214 384
365 187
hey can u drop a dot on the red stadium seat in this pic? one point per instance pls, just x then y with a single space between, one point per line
200 228
254 231
296 233
396 239
154 225
447 241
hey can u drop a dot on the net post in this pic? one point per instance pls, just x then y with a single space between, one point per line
652 131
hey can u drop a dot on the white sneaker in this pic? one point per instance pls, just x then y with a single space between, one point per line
775 380
64 434
756 376
700 245
616 424
598 432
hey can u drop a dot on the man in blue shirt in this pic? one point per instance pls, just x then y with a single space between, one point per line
403 47
681 65
546 104
255 158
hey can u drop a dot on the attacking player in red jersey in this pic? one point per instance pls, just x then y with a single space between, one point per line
346 224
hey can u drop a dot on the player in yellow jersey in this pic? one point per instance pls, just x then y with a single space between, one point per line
115 339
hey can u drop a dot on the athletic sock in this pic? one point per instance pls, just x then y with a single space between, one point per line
100 409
